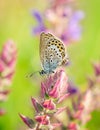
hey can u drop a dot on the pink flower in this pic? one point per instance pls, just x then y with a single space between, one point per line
43 119
9 53
72 126
49 104
64 20
56 86
8 58
97 68
29 122
3 95
2 66
38 107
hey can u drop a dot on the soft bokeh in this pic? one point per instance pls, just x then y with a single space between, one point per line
16 22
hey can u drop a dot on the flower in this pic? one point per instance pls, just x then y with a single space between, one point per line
61 19
73 30
53 91
56 86
97 68
72 89
42 119
8 58
41 26
38 106
29 122
49 104
72 126
93 87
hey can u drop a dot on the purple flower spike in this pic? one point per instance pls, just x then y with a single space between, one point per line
37 30
63 20
40 27
74 29
78 15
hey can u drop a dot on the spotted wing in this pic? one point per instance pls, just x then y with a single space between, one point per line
56 53
44 38
52 52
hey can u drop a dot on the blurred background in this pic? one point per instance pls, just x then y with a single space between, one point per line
16 23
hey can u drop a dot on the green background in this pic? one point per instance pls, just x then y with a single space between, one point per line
16 23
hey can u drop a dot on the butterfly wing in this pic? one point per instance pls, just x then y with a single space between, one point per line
56 53
52 52
44 39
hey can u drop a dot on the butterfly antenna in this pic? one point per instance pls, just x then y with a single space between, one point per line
31 74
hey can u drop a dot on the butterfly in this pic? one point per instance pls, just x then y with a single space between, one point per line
52 53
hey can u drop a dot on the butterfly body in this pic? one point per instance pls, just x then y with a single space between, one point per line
52 53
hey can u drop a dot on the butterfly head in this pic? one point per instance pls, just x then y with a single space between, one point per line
42 72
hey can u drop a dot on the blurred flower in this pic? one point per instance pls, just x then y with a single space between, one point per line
93 87
87 103
44 119
3 95
72 89
7 68
97 68
72 126
74 30
40 23
61 19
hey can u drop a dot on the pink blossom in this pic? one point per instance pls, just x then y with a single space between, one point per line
2 66
8 57
38 107
72 126
97 68
43 119
9 52
4 94
56 85
49 104
29 122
